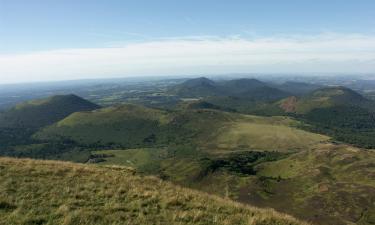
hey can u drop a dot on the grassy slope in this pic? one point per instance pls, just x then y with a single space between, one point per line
325 183
338 112
330 183
126 125
134 126
49 192
330 97
264 133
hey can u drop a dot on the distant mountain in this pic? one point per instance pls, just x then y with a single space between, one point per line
197 87
325 98
239 86
199 82
337 111
297 88
242 88
43 112
265 93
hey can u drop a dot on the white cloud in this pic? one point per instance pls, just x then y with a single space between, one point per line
197 55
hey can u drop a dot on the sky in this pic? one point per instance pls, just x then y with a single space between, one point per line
78 39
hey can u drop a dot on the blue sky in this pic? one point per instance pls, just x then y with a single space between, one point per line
33 29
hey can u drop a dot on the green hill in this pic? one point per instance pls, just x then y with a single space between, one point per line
242 95
238 86
124 125
131 126
43 112
324 183
50 192
265 94
328 97
200 104
249 89
297 88
198 87
327 184
336 111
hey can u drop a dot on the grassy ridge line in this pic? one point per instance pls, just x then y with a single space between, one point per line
51 192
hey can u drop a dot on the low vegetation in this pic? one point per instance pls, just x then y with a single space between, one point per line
48 192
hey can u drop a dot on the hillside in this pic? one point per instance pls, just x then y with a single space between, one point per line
43 112
238 86
329 97
124 125
321 183
50 192
197 87
249 89
297 88
199 104
265 94
336 111
131 126
325 183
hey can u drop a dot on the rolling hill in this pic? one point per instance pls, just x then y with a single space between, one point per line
238 86
325 181
51 192
297 88
250 89
197 87
125 125
132 126
43 112
324 184
336 111
329 97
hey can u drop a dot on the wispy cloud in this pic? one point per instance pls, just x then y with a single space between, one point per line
198 55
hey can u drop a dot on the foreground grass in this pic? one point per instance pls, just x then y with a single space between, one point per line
50 192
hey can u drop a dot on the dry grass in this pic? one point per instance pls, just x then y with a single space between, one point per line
50 192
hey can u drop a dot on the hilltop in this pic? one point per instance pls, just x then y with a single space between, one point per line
51 192
329 97
243 88
43 112
297 88
336 111
196 87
